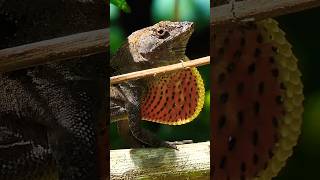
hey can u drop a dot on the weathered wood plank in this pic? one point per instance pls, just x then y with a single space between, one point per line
68 47
191 161
258 9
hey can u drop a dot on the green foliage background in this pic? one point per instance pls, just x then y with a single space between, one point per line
303 32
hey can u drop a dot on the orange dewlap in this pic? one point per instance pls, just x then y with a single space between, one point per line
257 101
174 98
244 105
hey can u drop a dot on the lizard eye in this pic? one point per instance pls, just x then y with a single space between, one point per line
162 34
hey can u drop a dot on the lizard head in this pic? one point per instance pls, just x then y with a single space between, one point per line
162 43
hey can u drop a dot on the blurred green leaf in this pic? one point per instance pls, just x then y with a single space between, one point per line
116 38
311 121
207 101
121 4
197 11
158 13
114 12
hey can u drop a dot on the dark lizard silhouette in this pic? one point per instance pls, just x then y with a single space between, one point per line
50 114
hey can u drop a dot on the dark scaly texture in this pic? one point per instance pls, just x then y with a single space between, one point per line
256 118
161 44
50 114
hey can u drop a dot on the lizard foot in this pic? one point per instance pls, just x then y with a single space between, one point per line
174 144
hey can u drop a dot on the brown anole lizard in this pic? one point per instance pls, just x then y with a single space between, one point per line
173 98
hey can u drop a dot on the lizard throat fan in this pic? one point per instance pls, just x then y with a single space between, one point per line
174 98
257 101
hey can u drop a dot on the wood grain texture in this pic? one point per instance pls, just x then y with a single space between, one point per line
191 161
164 69
257 9
62 48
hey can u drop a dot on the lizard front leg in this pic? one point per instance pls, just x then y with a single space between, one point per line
134 93
118 114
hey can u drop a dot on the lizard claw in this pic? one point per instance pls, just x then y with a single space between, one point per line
174 144
171 145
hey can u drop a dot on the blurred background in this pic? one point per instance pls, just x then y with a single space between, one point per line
144 13
303 32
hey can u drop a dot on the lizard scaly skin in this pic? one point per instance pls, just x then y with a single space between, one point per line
50 114
148 99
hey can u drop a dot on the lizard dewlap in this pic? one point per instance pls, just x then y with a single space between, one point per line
257 101
174 98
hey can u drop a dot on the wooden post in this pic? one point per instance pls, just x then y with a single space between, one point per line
62 48
191 161
257 9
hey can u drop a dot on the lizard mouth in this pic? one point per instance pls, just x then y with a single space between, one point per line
188 26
